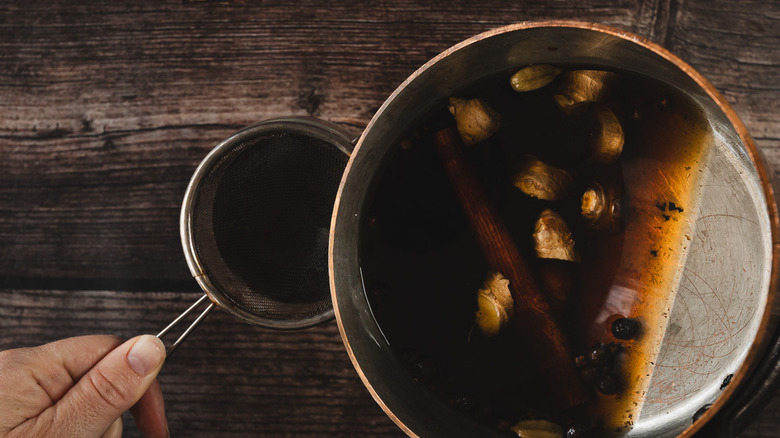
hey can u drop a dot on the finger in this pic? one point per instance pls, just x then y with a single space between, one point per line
68 360
115 430
33 379
149 413
78 355
21 397
111 387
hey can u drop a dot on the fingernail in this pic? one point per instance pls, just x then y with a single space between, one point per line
146 354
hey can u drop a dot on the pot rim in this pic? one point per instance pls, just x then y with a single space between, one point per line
765 176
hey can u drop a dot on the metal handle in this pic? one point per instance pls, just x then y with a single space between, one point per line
192 326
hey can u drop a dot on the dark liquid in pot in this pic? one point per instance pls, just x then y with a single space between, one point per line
422 264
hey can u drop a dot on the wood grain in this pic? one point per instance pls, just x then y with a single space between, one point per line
106 108
228 378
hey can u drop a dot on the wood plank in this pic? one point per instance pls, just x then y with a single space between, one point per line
229 378
99 207
107 109
736 46
767 422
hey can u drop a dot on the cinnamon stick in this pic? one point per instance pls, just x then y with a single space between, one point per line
533 317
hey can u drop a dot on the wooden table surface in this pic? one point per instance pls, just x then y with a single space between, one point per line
106 108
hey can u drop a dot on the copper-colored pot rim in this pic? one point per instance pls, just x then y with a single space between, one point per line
765 175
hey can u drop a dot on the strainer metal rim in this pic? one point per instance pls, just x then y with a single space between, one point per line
308 126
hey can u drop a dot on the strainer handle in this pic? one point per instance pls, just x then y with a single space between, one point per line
192 326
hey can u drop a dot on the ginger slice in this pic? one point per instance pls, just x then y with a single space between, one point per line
475 119
552 238
495 304
581 87
543 181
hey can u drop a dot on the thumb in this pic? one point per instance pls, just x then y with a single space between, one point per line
110 388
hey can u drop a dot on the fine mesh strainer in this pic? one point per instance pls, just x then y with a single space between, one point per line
255 220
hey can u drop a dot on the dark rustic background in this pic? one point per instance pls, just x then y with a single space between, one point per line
106 108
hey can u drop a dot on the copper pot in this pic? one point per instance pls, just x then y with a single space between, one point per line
738 262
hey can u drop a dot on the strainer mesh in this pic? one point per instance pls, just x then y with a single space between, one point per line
260 224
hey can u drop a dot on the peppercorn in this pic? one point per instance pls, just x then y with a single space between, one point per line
599 356
590 374
608 384
625 328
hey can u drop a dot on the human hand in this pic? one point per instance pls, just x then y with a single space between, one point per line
79 387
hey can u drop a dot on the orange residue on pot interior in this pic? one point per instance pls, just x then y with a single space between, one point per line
666 146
